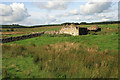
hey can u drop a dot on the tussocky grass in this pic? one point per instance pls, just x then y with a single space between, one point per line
60 60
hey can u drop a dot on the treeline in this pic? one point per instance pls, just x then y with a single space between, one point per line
67 23
13 26
46 25
95 23
106 22
20 26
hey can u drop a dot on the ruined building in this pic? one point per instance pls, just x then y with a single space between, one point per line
73 30
94 28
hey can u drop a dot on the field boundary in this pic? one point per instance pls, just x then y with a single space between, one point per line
11 39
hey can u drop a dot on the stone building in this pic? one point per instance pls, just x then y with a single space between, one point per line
73 30
94 28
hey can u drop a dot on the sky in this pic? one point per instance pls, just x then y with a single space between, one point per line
57 11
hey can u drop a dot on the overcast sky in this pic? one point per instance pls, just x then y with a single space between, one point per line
57 11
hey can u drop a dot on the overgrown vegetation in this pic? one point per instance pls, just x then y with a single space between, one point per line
61 60
63 56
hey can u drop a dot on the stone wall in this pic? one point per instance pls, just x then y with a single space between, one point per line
51 32
94 28
11 39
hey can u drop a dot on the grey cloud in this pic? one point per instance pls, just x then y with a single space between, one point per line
18 13
5 10
94 7
53 5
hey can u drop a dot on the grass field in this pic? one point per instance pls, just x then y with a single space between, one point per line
29 30
63 56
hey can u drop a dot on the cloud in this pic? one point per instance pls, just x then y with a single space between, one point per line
5 10
74 12
105 19
95 6
75 18
43 18
30 21
53 5
13 13
50 19
111 16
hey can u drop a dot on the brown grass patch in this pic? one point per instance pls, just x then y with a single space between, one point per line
13 32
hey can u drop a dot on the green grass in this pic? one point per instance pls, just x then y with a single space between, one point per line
63 56
102 41
11 35
102 26
29 30
38 29
105 39
61 60
113 29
